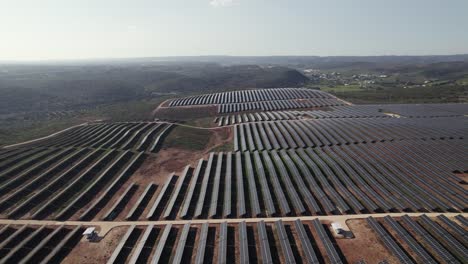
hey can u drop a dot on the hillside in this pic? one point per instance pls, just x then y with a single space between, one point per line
284 175
52 87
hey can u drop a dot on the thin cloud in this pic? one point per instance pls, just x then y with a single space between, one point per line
223 3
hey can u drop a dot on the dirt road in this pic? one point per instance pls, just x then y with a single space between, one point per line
106 226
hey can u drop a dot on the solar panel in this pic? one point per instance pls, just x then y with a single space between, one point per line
429 240
216 185
188 197
59 247
388 241
243 243
121 244
309 252
284 242
227 185
415 247
141 243
456 228
162 193
204 186
462 219
290 189
455 245
254 202
264 243
181 244
175 193
331 251
201 244
10 257
222 243
267 198
161 244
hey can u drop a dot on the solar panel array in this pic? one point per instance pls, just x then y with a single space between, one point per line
278 105
278 241
426 110
387 177
138 136
410 240
350 111
77 173
326 132
337 159
354 111
250 96
421 239
37 244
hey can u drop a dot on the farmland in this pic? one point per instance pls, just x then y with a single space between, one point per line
261 182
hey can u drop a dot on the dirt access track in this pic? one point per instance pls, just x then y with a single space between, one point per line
106 226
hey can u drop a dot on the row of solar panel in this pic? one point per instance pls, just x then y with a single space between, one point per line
57 183
308 181
234 243
423 240
139 136
326 132
250 96
278 105
355 111
37 244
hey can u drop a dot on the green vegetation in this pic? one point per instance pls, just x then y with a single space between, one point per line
435 94
135 110
187 138
23 131
225 148
202 122
341 88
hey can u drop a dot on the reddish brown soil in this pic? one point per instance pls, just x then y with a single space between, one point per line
96 252
157 168
366 245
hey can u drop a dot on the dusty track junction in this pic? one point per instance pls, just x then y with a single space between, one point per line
253 176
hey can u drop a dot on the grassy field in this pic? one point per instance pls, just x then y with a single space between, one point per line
224 148
435 94
202 122
129 111
463 81
187 138
23 131
341 88
443 93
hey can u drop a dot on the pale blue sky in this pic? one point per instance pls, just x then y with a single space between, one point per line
75 29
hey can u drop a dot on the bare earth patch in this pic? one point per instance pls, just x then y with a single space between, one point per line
96 252
366 245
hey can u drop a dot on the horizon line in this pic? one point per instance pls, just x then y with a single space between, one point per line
214 56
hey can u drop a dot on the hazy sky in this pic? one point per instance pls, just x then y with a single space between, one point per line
61 29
